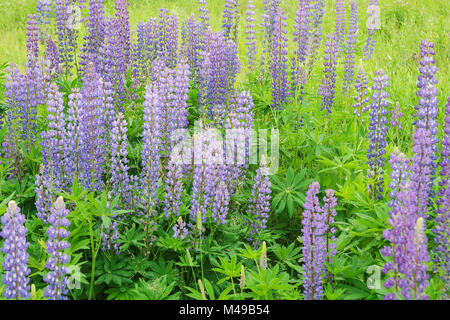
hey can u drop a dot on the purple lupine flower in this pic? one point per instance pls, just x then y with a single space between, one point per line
179 229
369 46
442 221
168 38
427 110
110 234
407 267
280 90
220 204
397 114
301 38
204 14
421 169
317 12
54 139
228 16
151 146
15 245
114 61
92 128
72 158
43 194
53 57
95 34
362 99
174 186
269 19
191 45
144 50
58 232
314 250
250 36
399 175
328 86
123 20
120 180
349 73
220 66
330 202
32 38
340 23
44 10
67 35
377 133
259 203
180 96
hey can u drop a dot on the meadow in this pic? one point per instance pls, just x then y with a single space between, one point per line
224 149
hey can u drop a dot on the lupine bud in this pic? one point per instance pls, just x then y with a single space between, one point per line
263 259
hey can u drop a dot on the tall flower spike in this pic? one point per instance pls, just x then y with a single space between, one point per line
73 146
377 134
259 203
56 245
204 14
349 73
397 114
340 23
168 38
269 19
301 38
250 36
427 109
314 250
32 38
220 204
442 221
192 46
122 16
228 16
67 36
174 185
330 212
327 88
16 271
362 99
421 170
280 90
399 175
44 12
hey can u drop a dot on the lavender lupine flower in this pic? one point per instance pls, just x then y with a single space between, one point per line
220 66
168 38
180 96
180 230
114 61
442 221
362 99
151 146
377 134
259 203
92 128
44 10
317 12
314 250
53 57
56 245
17 112
228 16
421 169
427 110
349 73
220 204
32 38
280 90
120 180
330 202
328 85
269 19
399 175
340 23
123 20
408 250
397 114
72 158
301 38
174 185
15 264
95 33
43 194
250 36
372 28
191 45
67 35
204 14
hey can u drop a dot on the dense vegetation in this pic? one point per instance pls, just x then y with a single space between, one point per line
257 149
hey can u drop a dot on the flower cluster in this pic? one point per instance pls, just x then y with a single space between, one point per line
250 35
349 73
301 37
328 86
280 89
362 99
14 247
340 23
